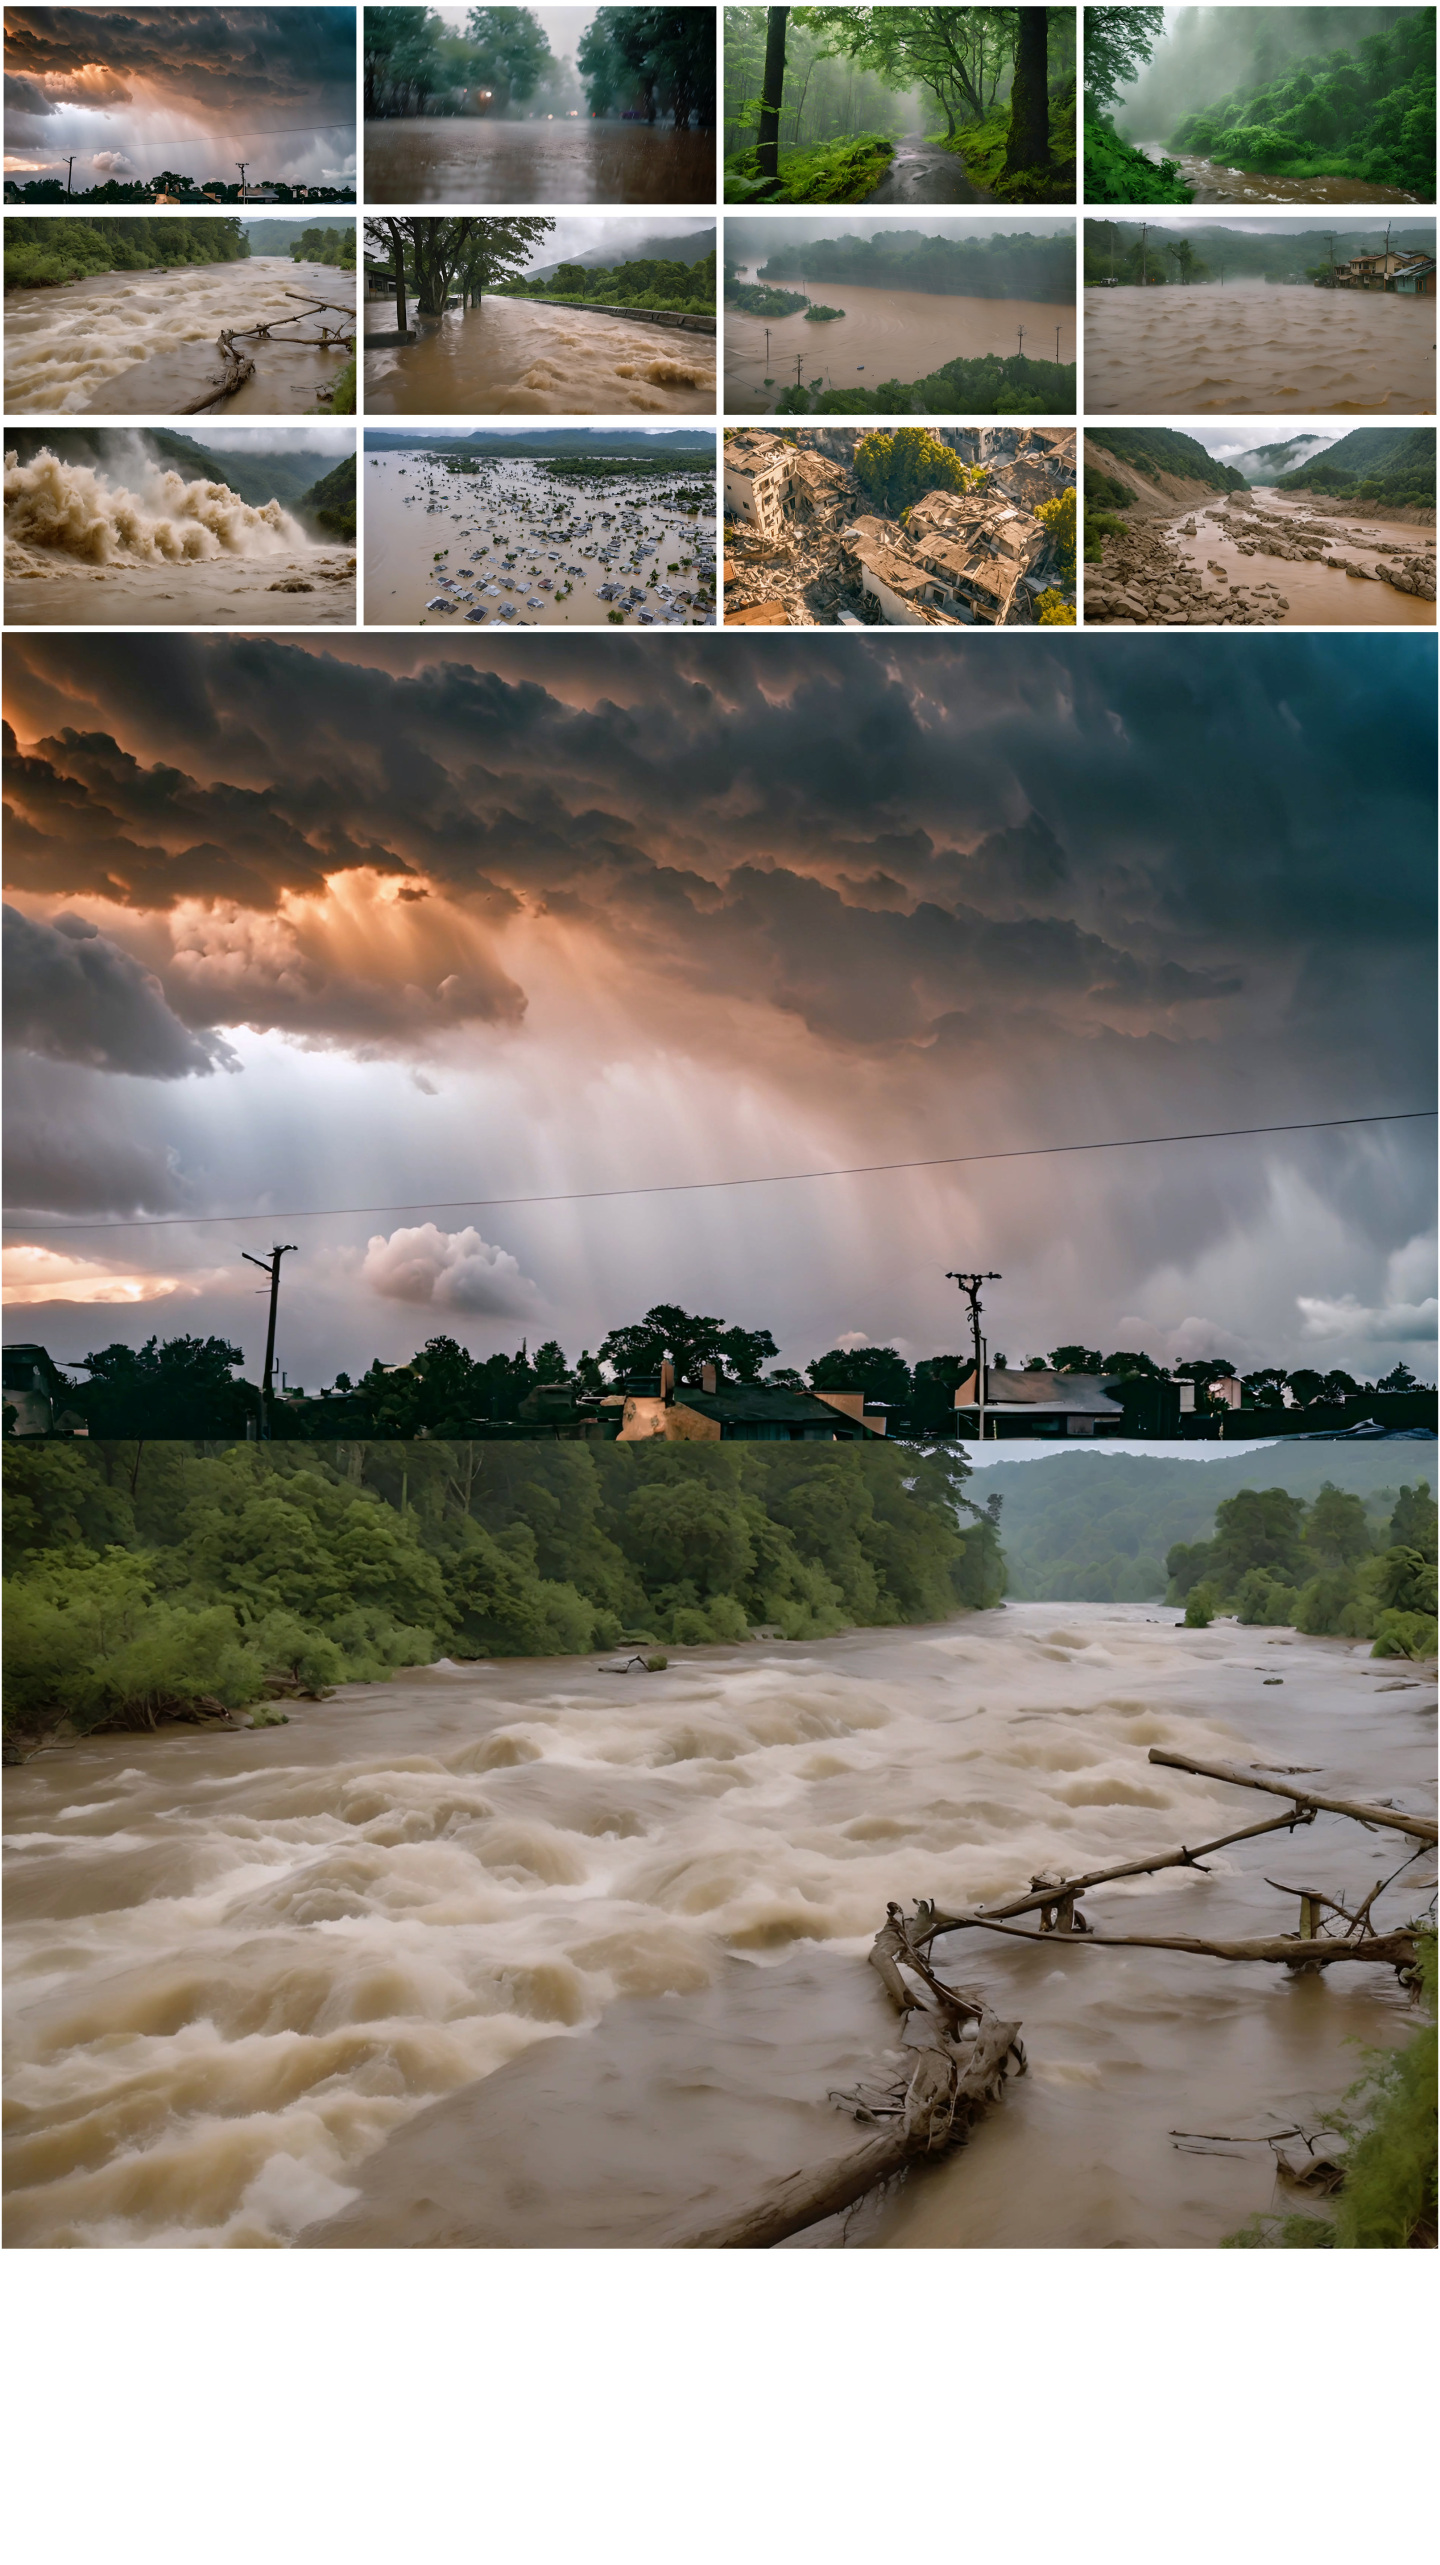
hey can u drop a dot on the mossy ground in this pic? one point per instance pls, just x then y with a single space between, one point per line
828 173
983 149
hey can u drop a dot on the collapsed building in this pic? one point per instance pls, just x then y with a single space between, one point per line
804 545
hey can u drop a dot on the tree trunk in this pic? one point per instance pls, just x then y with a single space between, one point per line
1399 1820
768 148
397 246
1029 146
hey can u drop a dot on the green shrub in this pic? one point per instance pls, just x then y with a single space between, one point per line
1405 1634
1201 1606
1264 1601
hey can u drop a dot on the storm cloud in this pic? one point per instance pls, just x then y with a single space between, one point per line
71 994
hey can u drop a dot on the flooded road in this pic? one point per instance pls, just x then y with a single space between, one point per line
1287 349
922 173
884 336
129 343
86 546
542 359
1215 184
514 543
548 160
599 1915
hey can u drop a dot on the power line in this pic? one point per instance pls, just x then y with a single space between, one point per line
716 1184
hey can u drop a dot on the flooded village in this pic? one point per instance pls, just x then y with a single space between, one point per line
516 541
808 542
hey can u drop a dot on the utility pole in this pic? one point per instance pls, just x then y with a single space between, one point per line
242 166
1057 342
270 1267
799 361
69 166
971 1285
1330 237
1144 235
767 354
1022 342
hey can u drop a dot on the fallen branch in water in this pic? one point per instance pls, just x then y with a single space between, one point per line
238 370
1424 1829
962 2055
1054 1899
1293 1950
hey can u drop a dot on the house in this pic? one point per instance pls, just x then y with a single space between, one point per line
725 1411
769 610
891 573
978 554
38 1391
758 467
1034 1403
1416 278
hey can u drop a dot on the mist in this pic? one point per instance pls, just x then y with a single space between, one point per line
1205 53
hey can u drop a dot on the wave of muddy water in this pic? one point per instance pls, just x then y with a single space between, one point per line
520 545
83 547
130 342
544 359
885 336
536 1953
1283 349
483 160
1216 184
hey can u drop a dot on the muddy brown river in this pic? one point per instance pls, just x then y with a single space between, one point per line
1315 594
545 359
131 342
551 160
1284 349
540 1953
1215 184
884 336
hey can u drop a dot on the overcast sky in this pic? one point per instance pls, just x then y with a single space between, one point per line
193 90
409 920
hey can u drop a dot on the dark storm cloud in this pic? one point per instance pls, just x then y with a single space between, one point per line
220 60
78 1144
73 995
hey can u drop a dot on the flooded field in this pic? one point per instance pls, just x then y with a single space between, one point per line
540 1953
884 337
83 547
1280 348
130 343
542 359
1215 184
554 160
512 543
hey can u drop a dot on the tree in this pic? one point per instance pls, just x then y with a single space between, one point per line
1029 144
1076 1358
1336 1532
768 148
181 1387
1057 515
878 1370
1400 1378
511 54
1118 43
440 251
897 466
1258 1528
689 1342
1132 1367
660 59
1412 1525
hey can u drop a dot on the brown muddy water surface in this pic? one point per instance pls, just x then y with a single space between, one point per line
1315 594
885 336
553 160
541 358
1215 184
539 1953
1278 348
132 342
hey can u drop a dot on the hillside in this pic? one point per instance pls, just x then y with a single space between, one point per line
1278 251
1156 467
1393 464
254 478
1368 115
1092 1527
331 502
687 247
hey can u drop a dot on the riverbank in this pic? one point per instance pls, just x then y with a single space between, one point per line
134 342
1260 557
243 1962
1212 182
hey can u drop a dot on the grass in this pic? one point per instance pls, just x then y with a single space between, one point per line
1117 174
983 149
828 173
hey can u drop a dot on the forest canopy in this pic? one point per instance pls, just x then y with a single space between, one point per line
150 1581
43 252
656 64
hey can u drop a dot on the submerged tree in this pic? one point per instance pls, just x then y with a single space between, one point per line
438 253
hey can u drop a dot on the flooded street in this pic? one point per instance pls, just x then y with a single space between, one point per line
84 546
129 343
885 336
1215 184
543 359
514 543
613 1929
1281 348
552 160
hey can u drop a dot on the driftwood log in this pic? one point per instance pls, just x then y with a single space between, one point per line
1365 1813
962 2053
238 370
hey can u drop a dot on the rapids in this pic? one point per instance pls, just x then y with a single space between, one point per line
544 359
127 342
1285 349
1213 182
242 1964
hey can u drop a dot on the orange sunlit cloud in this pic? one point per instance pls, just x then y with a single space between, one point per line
44 1273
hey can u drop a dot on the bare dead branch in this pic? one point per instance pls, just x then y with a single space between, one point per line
1049 1893
1424 1829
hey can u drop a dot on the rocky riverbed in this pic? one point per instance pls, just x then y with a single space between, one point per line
1166 573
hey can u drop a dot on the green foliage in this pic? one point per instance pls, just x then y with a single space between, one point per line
1153 451
341 403
766 302
984 147
332 501
1118 44
1052 606
1029 266
988 386
1263 1600
318 246
51 253
1395 464
1406 1634
147 1578
1101 491
1367 115
1201 1606
1117 174
1057 515
824 173
182 1386
897 466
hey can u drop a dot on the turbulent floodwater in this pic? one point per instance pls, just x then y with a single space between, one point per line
85 546
1277 348
542 358
1316 595
132 342
482 160
884 336
518 545
243 1966
1214 184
